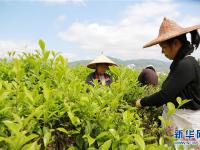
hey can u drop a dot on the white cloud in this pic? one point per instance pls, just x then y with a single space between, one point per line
61 18
61 1
28 47
58 2
60 21
70 56
17 46
125 38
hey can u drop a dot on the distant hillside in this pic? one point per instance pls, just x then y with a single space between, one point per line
159 65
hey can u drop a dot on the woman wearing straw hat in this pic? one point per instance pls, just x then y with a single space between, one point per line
183 79
100 64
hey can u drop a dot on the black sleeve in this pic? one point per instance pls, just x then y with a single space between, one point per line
89 79
182 75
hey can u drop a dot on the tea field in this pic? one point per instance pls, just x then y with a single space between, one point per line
45 104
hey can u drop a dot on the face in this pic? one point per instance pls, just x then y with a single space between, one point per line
101 68
166 50
170 50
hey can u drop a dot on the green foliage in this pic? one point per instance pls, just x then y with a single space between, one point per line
45 105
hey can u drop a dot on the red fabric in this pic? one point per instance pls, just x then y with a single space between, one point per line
106 77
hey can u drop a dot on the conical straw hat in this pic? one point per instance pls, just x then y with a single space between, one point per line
168 30
99 60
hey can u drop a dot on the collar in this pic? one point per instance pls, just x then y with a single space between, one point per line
185 50
96 75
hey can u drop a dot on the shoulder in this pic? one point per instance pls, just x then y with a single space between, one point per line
186 64
188 61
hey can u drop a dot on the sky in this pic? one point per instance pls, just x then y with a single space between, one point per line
83 29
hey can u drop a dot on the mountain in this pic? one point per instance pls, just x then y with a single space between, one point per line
139 64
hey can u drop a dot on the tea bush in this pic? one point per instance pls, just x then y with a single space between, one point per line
44 104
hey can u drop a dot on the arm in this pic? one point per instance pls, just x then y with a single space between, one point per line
183 74
89 79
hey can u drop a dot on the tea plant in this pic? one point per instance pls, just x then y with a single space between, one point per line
45 104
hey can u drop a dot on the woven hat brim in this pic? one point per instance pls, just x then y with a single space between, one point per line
93 65
167 37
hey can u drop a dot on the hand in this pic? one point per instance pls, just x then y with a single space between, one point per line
138 104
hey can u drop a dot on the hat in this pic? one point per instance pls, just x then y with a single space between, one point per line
168 30
149 66
101 60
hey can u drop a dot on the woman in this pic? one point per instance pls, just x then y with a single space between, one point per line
184 77
148 76
100 64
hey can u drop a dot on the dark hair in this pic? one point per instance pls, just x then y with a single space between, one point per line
195 39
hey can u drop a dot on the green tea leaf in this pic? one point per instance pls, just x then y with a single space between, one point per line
72 148
161 141
106 145
114 133
41 44
13 127
47 136
171 109
32 146
181 102
131 147
89 139
62 130
139 141
102 134
115 70
75 120
127 116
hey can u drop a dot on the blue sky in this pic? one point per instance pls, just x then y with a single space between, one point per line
81 29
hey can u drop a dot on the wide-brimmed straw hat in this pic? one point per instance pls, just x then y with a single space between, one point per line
101 60
168 30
